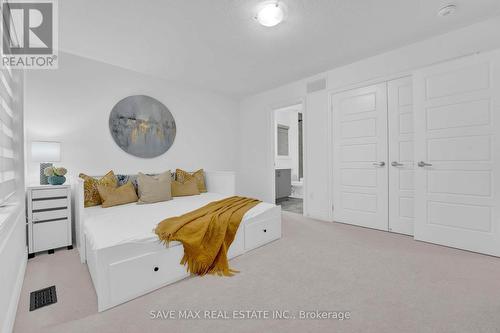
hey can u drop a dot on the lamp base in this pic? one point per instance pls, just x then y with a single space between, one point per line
44 180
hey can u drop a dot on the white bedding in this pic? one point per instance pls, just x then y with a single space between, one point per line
106 227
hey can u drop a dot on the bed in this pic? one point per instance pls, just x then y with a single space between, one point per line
125 258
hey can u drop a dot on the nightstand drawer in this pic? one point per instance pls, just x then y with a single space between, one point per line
49 203
50 235
49 193
50 215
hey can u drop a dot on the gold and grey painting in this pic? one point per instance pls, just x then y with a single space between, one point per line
142 126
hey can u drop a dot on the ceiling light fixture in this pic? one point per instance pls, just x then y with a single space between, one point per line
447 10
270 14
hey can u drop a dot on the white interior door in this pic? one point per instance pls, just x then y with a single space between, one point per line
401 165
457 133
360 157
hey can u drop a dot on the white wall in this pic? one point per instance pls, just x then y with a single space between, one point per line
255 160
72 105
13 251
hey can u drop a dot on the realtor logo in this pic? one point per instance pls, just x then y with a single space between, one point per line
29 32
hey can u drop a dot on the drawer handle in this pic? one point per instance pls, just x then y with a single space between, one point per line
156 269
265 230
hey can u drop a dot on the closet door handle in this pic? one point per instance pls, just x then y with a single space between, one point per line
423 164
397 164
378 164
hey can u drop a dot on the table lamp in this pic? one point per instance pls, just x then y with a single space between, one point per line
45 152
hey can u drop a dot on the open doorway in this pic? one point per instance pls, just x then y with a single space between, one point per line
289 158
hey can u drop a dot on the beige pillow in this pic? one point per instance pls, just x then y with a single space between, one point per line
183 189
199 176
114 196
154 188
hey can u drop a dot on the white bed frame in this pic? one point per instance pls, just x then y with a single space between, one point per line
123 272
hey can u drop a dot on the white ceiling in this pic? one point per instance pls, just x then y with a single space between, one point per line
216 44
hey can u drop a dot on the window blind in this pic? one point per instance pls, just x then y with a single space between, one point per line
10 134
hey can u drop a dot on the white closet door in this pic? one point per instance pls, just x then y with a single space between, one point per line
401 165
457 133
360 157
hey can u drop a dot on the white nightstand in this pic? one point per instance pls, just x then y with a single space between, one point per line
48 217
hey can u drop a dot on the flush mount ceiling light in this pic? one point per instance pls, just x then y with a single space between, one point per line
447 10
270 14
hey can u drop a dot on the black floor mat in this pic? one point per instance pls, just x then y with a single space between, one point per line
43 297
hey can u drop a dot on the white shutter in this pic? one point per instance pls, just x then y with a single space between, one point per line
10 133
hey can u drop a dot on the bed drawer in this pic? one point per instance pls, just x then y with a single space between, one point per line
167 267
261 232
129 277
133 277
238 245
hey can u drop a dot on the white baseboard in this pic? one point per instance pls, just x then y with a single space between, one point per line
321 217
10 317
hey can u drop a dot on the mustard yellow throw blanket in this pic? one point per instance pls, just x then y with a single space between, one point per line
206 234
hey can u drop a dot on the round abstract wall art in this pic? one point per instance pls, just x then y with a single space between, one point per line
142 126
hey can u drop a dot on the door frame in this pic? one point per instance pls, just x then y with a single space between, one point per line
398 224
272 150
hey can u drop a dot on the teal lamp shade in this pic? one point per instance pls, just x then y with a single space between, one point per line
45 153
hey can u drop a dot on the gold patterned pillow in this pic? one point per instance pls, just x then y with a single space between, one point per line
91 193
199 176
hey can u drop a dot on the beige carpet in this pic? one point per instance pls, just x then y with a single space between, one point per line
389 283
